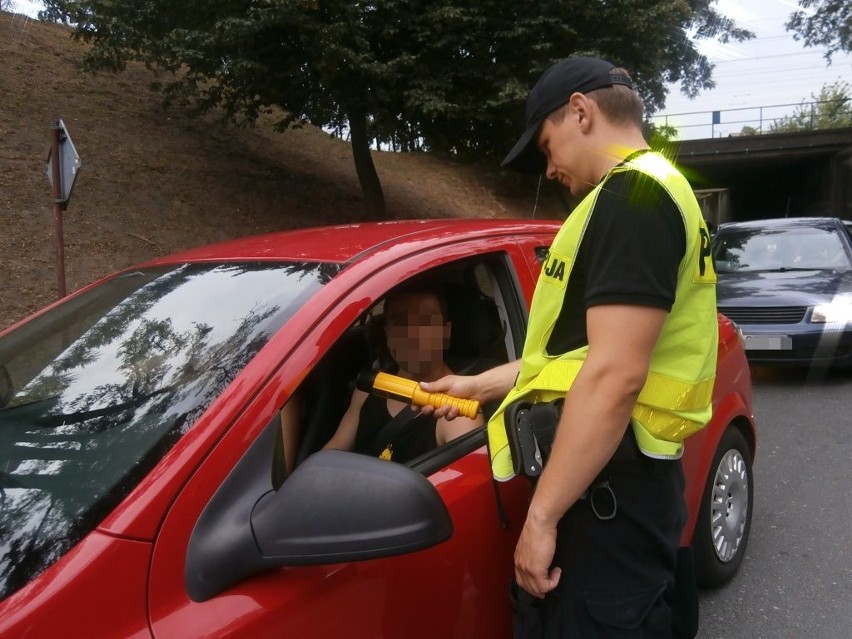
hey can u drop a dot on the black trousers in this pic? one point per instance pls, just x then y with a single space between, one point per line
623 575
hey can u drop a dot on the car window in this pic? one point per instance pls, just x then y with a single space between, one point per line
99 388
486 330
782 249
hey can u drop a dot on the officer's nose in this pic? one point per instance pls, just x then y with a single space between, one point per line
550 172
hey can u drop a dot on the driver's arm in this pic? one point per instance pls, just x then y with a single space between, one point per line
344 438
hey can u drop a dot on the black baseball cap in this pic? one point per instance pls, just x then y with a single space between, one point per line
553 89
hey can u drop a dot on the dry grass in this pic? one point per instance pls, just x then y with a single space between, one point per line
155 181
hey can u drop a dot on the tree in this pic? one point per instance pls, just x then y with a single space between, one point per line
825 23
831 109
439 75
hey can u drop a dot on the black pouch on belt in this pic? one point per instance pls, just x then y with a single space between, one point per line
545 419
531 429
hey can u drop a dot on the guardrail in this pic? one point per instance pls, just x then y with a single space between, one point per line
751 120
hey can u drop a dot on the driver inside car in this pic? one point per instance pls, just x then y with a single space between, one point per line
417 332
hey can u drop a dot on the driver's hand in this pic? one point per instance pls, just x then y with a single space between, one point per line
463 386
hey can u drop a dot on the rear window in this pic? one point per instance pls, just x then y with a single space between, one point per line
95 392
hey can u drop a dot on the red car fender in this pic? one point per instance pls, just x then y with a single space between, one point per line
97 590
732 397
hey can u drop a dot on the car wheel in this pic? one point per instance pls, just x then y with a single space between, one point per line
724 521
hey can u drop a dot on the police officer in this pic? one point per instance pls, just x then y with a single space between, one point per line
622 330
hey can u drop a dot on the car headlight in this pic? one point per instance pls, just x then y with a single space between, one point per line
836 312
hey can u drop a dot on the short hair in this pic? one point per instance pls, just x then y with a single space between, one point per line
619 104
419 287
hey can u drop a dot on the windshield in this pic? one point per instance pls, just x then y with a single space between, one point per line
95 392
779 250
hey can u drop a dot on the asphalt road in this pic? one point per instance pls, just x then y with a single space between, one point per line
796 579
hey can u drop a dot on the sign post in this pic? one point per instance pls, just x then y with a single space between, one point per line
717 119
63 162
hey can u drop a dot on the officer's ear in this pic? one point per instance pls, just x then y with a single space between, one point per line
581 110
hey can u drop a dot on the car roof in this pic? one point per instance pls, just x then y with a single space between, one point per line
349 242
784 223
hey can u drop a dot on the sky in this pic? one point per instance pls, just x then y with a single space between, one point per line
769 75
757 81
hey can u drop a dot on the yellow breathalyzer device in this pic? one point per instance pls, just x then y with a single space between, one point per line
408 390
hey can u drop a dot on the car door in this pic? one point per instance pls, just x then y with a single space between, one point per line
458 588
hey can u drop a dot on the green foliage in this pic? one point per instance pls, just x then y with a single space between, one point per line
825 23
661 132
831 109
442 75
662 138
439 75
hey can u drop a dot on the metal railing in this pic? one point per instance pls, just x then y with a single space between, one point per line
750 120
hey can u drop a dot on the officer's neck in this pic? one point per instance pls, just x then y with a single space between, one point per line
614 144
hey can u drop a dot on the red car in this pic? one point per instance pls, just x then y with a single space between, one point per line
142 460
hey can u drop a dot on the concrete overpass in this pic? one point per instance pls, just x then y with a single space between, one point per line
771 175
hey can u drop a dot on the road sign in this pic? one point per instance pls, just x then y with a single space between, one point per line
69 164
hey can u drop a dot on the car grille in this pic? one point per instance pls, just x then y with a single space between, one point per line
765 315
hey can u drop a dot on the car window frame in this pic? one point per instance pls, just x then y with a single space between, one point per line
511 308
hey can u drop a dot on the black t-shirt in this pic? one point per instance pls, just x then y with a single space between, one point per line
629 254
414 438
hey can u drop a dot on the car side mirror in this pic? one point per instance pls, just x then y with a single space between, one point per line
335 507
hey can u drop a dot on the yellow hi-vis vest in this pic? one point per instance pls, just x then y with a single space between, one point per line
676 399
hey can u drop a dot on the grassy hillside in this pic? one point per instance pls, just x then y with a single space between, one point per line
155 181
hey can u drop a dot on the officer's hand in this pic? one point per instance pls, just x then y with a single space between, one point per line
533 558
463 386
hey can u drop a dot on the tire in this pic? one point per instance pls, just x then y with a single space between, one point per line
724 521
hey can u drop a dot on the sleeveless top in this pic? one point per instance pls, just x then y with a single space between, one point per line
411 440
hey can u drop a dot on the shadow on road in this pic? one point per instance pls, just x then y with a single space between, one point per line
798 375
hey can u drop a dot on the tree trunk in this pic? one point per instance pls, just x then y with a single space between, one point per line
371 187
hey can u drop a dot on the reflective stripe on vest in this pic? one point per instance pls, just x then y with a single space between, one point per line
676 399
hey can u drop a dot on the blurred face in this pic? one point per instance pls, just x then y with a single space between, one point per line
416 331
